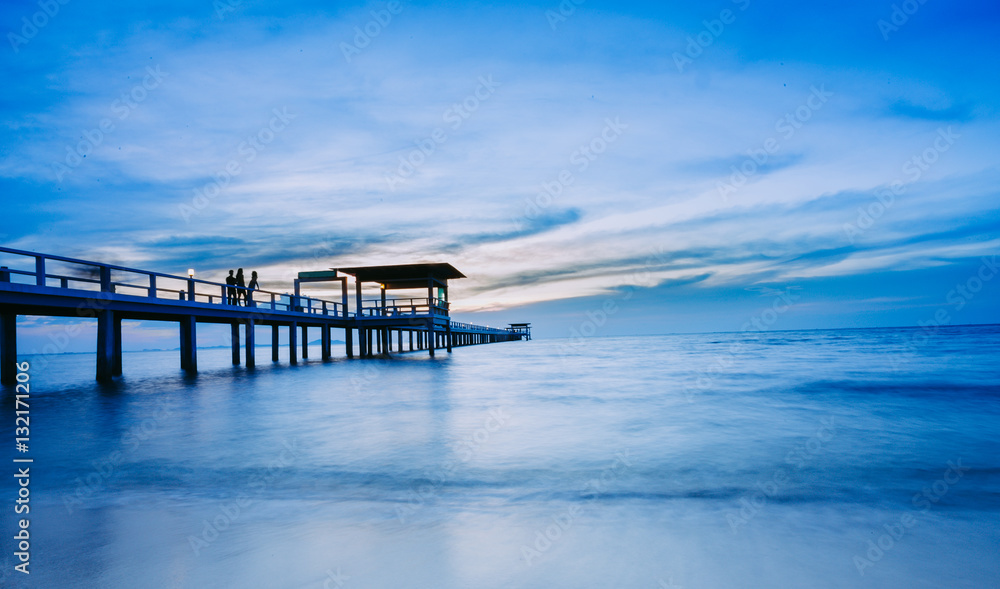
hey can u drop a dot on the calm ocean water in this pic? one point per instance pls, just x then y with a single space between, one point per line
858 458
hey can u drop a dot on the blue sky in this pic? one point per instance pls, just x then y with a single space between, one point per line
675 166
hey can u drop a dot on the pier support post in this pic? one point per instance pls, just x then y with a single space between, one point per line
116 351
105 345
430 336
447 337
274 342
364 349
8 347
251 343
234 330
349 340
324 332
189 344
293 344
305 342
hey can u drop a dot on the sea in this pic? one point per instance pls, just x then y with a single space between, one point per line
812 459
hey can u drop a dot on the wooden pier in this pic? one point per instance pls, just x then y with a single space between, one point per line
47 285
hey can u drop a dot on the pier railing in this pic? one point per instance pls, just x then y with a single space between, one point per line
404 307
63 272
480 328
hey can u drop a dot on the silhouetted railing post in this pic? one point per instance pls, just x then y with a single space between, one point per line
152 286
343 299
105 274
362 336
40 270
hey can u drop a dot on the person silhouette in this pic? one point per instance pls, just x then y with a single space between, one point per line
254 285
230 289
241 293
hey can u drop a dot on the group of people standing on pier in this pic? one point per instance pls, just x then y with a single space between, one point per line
238 292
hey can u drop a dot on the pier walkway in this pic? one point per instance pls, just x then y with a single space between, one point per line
47 285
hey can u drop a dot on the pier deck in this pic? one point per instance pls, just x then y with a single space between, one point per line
41 284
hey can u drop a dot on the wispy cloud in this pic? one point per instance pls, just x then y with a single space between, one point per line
957 113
